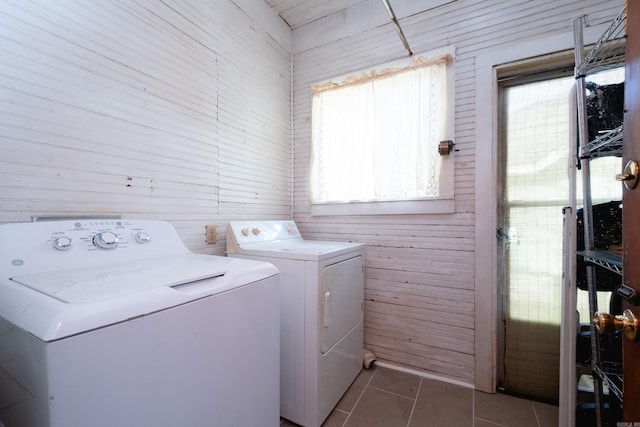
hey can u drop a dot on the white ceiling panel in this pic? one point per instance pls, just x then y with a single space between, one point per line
297 13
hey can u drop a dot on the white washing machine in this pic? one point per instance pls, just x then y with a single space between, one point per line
115 323
322 292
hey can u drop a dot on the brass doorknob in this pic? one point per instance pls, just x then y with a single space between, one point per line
630 175
627 322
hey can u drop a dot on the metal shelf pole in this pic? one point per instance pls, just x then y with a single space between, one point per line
583 138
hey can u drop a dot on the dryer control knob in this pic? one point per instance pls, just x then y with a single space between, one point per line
256 231
106 240
142 237
62 243
245 231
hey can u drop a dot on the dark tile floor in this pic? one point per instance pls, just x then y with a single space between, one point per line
382 397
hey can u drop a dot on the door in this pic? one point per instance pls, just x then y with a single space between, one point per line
631 210
535 128
341 293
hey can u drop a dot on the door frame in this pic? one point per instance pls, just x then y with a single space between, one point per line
486 186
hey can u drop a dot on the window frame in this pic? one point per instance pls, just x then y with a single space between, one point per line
444 202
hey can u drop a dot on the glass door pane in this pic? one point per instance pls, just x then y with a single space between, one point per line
535 134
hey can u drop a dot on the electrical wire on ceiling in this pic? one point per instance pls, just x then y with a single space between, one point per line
392 15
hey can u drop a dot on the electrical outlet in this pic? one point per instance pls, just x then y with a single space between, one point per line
212 234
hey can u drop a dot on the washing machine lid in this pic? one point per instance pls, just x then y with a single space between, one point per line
90 284
59 304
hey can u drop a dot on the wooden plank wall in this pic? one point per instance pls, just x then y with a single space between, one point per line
171 110
419 308
181 110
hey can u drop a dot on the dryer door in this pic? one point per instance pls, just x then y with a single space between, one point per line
341 300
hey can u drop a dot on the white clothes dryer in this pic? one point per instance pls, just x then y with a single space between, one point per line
115 323
322 297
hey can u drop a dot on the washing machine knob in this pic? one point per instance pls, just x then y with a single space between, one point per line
245 231
62 243
106 240
142 237
256 231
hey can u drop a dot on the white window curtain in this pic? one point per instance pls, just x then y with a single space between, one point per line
376 136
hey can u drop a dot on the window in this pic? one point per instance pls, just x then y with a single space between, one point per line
376 136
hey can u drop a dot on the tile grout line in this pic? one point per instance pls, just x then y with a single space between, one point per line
473 408
359 398
415 401
493 423
535 413
391 392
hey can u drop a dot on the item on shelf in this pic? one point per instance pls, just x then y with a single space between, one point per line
586 384
605 108
607 235
616 249
610 346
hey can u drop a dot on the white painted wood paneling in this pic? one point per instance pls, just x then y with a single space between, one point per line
354 18
297 13
181 110
420 289
173 110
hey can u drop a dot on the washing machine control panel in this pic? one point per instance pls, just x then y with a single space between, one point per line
263 231
56 245
98 235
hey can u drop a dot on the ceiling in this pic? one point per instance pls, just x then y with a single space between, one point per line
297 13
